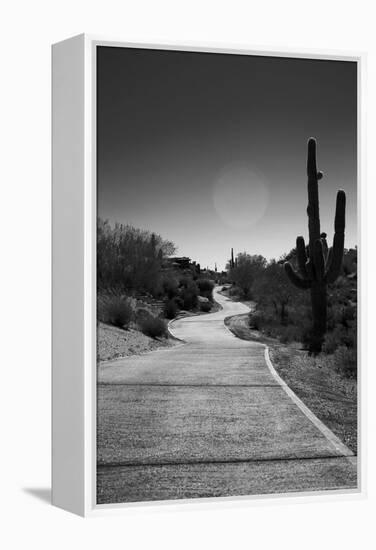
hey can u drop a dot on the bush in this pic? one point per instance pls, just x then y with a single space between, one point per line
153 327
170 287
206 288
129 258
205 307
332 341
189 294
179 302
345 361
256 320
115 310
234 292
185 281
189 298
141 313
171 309
290 333
205 285
338 337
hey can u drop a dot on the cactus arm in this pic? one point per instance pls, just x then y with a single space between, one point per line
295 278
334 267
302 257
313 196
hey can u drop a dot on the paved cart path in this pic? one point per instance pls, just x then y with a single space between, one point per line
209 417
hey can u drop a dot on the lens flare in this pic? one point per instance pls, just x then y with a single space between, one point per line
240 196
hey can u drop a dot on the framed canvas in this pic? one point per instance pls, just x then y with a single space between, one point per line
205 274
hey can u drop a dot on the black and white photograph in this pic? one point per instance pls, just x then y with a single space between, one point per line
188 297
226 275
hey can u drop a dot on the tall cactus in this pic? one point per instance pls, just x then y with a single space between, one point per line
317 265
232 264
153 245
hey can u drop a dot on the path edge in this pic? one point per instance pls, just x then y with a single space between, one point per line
329 435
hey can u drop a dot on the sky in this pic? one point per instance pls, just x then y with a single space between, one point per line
209 150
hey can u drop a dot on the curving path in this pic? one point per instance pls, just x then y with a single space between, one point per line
206 418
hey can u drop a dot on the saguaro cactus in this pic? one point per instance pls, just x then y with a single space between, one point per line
153 245
317 265
232 264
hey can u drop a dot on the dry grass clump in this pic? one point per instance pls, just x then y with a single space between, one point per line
320 383
115 309
153 326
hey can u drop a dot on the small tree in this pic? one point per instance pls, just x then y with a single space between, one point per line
128 258
245 270
272 288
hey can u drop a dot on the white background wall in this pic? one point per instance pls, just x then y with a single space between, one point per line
27 30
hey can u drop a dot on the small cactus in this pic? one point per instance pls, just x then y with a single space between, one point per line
153 245
318 265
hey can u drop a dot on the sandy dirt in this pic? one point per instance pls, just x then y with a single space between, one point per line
113 342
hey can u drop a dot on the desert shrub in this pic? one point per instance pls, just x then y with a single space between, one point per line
340 336
256 320
332 341
185 282
129 258
141 313
115 310
189 294
290 333
268 322
345 361
170 287
234 292
306 338
205 306
247 268
153 326
171 309
179 302
189 298
205 285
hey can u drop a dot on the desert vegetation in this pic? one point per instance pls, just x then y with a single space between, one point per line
310 326
281 316
322 321
318 265
141 285
283 311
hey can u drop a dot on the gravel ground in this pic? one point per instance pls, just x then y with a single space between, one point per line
114 342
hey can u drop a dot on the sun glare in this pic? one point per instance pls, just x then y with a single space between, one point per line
240 196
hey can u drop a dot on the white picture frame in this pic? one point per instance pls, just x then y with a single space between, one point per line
74 278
